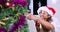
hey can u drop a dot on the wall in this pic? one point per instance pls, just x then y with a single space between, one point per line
56 5
31 23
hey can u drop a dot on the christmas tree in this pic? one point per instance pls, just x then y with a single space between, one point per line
12 16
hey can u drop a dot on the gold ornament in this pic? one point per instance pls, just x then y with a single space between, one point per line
5 18
2 23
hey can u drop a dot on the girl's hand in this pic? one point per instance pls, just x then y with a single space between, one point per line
32 17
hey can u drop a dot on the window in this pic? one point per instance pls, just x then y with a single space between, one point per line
37 4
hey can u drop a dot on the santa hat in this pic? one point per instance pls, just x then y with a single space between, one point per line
49 10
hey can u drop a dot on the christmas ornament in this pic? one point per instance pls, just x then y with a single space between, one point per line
11 16
5 18
2 23
7 4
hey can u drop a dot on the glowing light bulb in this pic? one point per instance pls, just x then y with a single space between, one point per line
7 3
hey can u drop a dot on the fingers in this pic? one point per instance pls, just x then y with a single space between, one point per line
29 16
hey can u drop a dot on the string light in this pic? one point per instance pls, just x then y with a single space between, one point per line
7 4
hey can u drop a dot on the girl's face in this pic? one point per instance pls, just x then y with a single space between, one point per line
44 14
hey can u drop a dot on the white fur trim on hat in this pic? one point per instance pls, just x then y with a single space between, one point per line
44 8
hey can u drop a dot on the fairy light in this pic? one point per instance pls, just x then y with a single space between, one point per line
7 3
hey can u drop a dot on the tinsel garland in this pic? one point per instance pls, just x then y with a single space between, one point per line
19 23
11 15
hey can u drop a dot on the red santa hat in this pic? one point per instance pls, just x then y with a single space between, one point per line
49 10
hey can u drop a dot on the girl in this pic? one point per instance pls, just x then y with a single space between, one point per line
45 19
